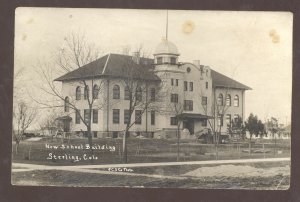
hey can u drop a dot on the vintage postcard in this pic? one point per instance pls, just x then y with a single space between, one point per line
152 98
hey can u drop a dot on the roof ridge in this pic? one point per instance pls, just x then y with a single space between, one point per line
106 63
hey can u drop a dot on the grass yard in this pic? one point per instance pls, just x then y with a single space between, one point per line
139 151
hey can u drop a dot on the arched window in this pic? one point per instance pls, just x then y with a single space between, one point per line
220 99
67 104
228 100
152 94
116 92
86 92
95 91
236 101
126 93
78 93
139 94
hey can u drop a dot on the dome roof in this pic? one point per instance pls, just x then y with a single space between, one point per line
166 47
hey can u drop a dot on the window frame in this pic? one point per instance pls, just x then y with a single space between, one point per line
116 116
220 120
138 120
95 118
204 100
228 100
86 115
185 86
220 100
174 98
188 105
67 104
96 90
126 116
86 92
116 92
78 93
159 60
152 117
228 117
191 86
236 101
173 60
77 116
173 121
126 93
152 94
139 94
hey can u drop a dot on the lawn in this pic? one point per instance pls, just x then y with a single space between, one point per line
109 151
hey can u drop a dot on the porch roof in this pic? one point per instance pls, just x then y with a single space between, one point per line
193 116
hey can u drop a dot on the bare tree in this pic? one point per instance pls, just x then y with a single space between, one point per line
142 90
75 53
23 118
218 109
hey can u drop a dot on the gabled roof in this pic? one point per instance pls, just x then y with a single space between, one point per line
114 65
220 80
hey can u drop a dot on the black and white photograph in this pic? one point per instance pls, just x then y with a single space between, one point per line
150 98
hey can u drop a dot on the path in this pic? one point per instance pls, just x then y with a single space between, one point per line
22 167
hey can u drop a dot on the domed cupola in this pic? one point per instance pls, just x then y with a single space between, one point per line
166 52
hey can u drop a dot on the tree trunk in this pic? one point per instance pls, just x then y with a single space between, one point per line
125 146
250 145
17 146
178 148
90 141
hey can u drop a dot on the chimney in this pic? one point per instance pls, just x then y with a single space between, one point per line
136 57
196 62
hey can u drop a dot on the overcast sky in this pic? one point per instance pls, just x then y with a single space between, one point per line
254 48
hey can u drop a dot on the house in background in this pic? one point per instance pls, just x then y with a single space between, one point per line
207 98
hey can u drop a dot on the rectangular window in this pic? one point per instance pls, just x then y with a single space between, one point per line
206 85
228 119
87 116
236 118
185 86
152 94
126 94
152 117
188 105
173 60
126 116
95 115
191 86
204 100
174 98
176 82
77 118
220 120
172 82
174 121
116 116
204 122
159 60
138 116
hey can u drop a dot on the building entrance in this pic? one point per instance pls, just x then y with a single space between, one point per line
189 124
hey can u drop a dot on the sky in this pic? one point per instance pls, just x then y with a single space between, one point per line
254 48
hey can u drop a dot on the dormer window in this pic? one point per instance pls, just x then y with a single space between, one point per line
159 60
173 60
